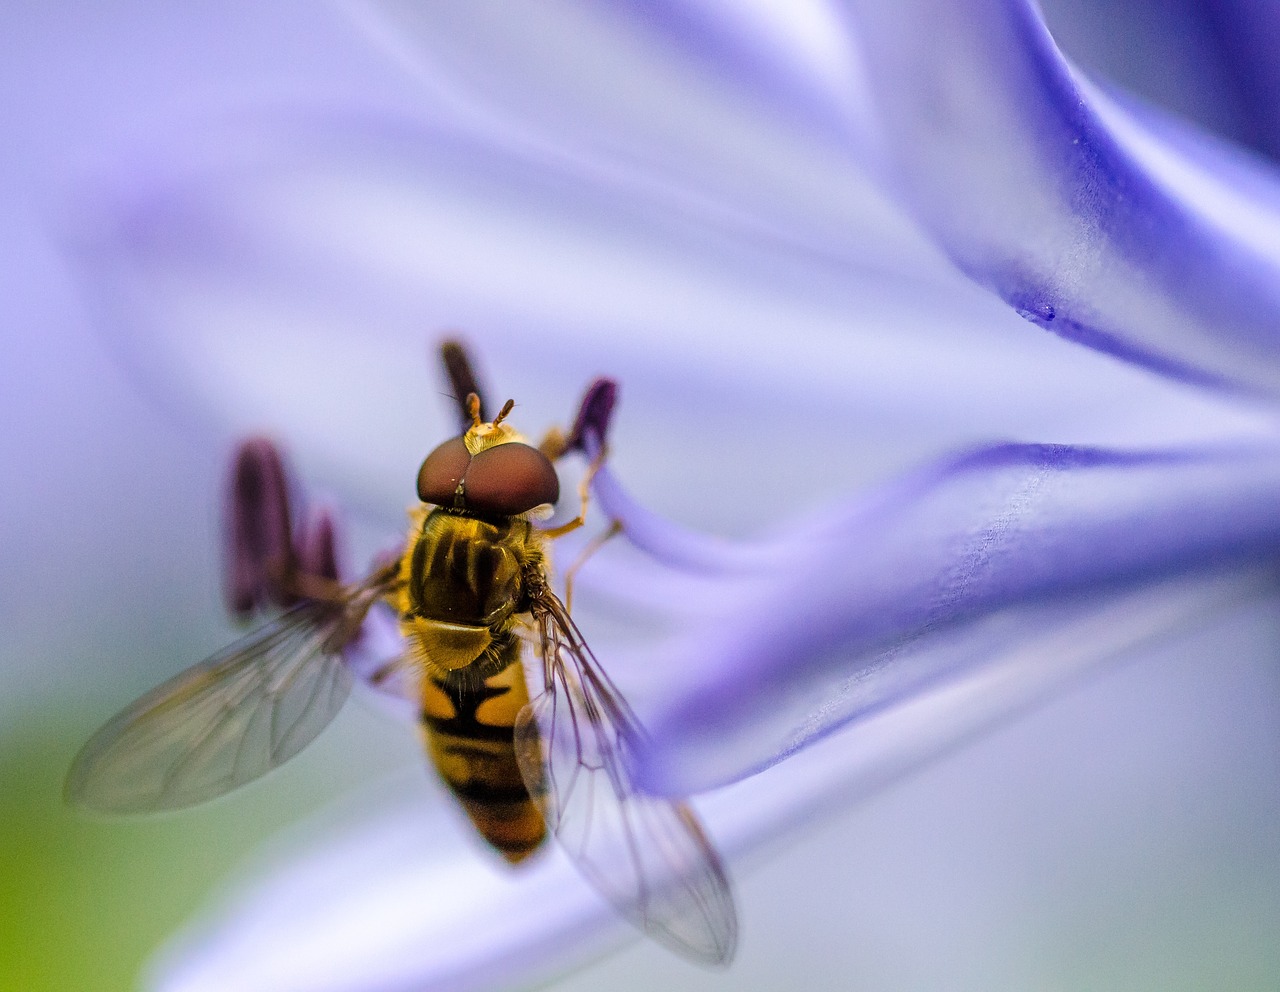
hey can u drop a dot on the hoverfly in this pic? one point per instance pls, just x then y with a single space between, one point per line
471 584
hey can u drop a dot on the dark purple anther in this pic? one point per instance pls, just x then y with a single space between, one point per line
594 413
259 550
317 552
462 379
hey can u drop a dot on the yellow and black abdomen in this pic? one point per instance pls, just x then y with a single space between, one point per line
469 735
463 588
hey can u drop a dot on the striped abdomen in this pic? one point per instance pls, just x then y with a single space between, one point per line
469 736
463 587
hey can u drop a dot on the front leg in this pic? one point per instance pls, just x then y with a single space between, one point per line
584 499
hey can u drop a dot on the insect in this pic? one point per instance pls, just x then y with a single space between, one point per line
470 587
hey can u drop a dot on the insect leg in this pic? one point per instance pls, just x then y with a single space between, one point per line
584 496
554 444
595 544
306 585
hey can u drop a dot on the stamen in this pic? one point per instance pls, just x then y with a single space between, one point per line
594 415
460 372
258 549
317 545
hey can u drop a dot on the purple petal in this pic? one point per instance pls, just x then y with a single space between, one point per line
1047 193
714 105
667 541
1177 54
792 57
911 583
1249 33
397 899
280 262
402 901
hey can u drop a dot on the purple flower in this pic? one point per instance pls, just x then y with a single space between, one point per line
803 241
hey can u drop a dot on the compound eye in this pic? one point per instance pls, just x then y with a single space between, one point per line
441 472
510 478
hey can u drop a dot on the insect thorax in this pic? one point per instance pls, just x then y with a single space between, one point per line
464 584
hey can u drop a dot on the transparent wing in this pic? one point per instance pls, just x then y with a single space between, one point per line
647 855
221 723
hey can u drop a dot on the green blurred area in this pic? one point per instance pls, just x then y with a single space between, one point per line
85 901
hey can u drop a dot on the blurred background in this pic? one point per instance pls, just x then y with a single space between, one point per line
110 514
1126 836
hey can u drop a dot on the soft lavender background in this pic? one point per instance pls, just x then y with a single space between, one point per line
108 525
1125 837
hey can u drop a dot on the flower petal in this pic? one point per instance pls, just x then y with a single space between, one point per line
286 272
1180 55
398 900
401 901
736 108
1250 33
921 580
1049 194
